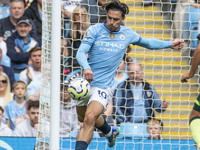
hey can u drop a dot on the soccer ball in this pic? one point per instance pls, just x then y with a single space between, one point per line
79 89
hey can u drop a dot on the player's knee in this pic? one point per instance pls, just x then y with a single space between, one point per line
89 120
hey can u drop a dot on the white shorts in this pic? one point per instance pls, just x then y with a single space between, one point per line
104 96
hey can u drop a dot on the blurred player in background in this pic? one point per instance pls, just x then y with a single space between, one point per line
194 119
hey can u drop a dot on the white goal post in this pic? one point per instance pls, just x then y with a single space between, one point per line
55 75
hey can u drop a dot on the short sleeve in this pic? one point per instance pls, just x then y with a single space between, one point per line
89 36
135 38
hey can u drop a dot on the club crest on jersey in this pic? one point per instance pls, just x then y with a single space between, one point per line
122 36
87 33
112 36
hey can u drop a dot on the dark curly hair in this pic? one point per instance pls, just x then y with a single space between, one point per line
116 5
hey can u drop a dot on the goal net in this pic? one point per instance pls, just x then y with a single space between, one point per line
161 19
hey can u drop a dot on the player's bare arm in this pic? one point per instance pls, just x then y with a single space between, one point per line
194 66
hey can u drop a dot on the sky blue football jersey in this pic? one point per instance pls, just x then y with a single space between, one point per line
105 51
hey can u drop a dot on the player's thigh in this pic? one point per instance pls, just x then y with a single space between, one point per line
81 112
94 110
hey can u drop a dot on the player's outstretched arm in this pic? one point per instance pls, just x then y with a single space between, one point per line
160 44
153 44
194 66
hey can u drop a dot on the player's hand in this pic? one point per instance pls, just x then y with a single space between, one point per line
178 44
164 104
185 77
88 75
